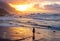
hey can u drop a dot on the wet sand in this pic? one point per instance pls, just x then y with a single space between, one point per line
26 34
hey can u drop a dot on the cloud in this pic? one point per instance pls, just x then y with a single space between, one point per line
14 0
7 7
55 7
51 0
36 6
47 8
30 0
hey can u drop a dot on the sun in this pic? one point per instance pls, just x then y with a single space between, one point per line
22 7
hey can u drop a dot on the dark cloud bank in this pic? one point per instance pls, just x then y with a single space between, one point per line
7 7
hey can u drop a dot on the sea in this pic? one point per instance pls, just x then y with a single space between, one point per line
46 27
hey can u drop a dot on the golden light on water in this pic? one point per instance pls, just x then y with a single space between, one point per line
18 33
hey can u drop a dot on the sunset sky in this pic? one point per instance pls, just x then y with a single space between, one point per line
47 6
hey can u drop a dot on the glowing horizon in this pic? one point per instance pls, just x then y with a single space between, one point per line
36 6
23 7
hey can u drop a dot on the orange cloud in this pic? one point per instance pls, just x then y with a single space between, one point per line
37 5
